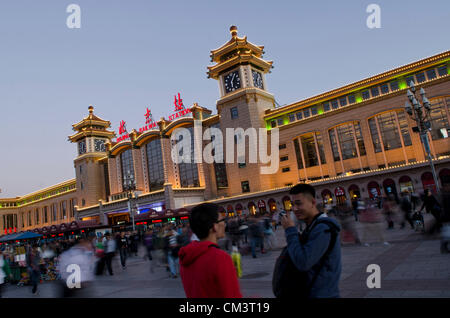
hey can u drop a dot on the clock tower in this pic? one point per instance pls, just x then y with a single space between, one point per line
244 98
91 135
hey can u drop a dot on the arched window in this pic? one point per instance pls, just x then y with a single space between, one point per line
406 184
311 149
439 118
126 161
345 139
388 125
428 182
155 165
188 172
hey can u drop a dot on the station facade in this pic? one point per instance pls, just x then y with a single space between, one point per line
356 141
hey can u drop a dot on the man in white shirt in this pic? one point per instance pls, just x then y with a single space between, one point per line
110 251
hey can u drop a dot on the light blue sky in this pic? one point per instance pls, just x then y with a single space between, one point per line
129 55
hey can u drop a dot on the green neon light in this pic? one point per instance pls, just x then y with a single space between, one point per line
359 99
320 111
286 120
402 84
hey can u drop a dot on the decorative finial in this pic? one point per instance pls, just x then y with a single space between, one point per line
233 31
91 109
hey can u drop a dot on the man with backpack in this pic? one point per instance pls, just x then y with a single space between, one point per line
310 265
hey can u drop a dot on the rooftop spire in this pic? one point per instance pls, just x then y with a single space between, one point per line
233 31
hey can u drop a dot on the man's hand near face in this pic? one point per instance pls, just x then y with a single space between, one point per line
287 221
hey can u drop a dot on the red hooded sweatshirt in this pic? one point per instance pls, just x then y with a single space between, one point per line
208 272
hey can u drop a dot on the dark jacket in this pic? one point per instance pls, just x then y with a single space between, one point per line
305 256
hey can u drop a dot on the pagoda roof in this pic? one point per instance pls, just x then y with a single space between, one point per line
236 43
86 127
91 119
237 51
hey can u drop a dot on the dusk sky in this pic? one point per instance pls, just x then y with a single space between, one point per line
130 55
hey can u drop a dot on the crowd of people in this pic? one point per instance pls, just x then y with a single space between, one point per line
192 249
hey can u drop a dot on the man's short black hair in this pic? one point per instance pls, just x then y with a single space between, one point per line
202 219
303 188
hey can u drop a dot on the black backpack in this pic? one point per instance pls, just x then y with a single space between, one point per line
287 280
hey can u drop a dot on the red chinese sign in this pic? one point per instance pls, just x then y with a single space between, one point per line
149 123
180 111
122 132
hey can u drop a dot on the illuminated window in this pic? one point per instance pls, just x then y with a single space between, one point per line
439 120
346 139
245 186
155 165
387 123
126 161
309 148
188 171
64 209
298 154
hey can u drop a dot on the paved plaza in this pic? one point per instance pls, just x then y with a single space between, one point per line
411 266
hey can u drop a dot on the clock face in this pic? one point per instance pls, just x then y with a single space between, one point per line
82 147
257 79
232 81
99 145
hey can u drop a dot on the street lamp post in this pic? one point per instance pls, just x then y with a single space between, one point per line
130 186
420 113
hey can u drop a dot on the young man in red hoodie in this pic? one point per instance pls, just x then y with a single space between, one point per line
207 271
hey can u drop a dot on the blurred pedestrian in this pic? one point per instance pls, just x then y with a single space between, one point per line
5 271
445 215
174 248
256 234
123 248
406 207
206 271
268 233
110 251
82 256
34 260
389 210
432 206
372 219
